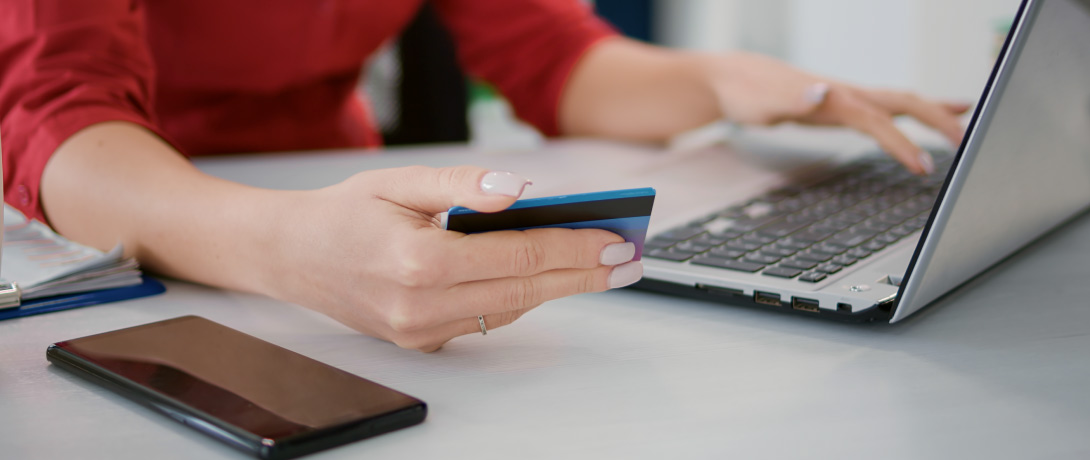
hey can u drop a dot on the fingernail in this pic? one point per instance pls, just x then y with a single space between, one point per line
816 93
927 163
504 183
623 275
616 254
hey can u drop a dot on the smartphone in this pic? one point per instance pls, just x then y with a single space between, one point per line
255 396
624 212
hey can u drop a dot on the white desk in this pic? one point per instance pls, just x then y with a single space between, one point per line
998 370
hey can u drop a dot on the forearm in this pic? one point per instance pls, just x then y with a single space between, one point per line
117 182
628 90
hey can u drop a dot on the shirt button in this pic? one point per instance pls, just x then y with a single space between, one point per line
24 195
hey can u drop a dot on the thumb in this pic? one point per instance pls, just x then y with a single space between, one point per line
434 190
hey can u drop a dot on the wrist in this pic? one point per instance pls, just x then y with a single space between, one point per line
276 242
720 76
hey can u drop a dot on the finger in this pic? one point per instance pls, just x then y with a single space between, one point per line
930 113
504 254
517 293
434 190
440 259
434 338
864 116
957 108
494 318
499 295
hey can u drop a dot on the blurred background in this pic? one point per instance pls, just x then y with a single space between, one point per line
940 48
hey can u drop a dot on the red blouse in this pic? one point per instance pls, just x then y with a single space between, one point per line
213 76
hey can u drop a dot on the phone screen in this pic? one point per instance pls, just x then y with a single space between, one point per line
258 396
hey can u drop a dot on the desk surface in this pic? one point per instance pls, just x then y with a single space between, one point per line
998 370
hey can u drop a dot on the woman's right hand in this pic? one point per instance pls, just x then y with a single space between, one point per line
369 253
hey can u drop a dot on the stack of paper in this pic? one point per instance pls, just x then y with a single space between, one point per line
43 263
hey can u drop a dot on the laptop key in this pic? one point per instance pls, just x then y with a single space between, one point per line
783 228
692 247
763 259
844 260
711 240
813 235
874 245
749 225
703 220
728 253
793 243
782 272
829 268
901 230
681 234
778 251
849 238
816 255
835 225
658 243
858 253
727 234
799 264
670 255
813 277
739 245
728 264
887 238
831 249
758 239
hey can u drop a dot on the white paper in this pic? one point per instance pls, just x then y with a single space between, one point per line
44 263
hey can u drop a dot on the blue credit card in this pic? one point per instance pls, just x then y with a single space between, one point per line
624 212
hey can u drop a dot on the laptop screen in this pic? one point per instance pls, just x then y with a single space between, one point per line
1024 168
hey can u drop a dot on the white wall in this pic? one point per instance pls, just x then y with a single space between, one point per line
957 53
706 25
943 48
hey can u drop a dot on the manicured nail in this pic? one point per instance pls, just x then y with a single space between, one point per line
623 275
927 163
504 183
618 253
816 93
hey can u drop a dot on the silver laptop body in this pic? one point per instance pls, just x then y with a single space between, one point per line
1023 170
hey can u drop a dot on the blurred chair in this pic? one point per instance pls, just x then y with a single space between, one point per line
431 93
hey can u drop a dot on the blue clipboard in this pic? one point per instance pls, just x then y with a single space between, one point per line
149 287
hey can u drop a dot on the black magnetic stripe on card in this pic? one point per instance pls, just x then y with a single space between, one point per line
557 214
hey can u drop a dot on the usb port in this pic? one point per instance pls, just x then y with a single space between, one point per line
809 305
767 298
722 291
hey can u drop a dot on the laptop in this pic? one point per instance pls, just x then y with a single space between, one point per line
868 241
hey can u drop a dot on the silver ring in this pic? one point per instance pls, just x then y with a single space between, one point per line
484 330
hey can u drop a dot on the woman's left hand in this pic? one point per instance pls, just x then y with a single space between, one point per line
755 89
624 89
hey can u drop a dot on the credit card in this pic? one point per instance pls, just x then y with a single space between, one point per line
624 212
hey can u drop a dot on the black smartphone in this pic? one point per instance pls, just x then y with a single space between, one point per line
253 395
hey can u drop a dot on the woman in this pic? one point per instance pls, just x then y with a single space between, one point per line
101 102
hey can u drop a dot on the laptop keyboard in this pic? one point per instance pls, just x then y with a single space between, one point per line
808 233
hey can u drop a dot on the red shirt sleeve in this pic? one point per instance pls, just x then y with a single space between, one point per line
65 65
526 48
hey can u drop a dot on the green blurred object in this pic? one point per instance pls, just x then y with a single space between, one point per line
1002 28
480 90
